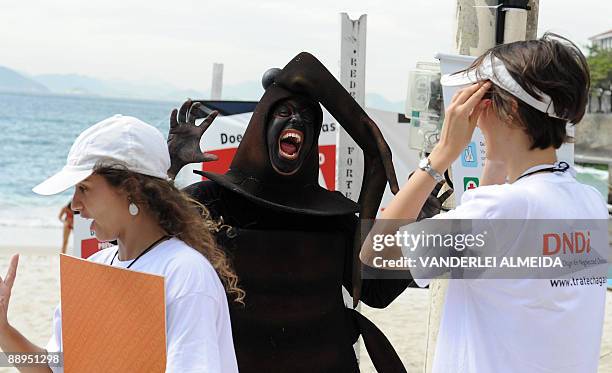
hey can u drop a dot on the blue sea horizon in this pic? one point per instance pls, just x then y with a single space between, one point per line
38 131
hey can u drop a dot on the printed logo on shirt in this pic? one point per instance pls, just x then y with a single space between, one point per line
566 242
469 157
470 183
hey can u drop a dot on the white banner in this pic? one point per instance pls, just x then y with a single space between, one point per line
224 135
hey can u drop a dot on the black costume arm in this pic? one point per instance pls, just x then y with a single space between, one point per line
376 293
380 293
307 75
205 192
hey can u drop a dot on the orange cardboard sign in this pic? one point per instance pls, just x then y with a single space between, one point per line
113 319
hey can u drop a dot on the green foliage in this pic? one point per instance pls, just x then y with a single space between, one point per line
600 64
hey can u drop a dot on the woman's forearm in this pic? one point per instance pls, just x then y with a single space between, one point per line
459 124
409 201
12 341
403 209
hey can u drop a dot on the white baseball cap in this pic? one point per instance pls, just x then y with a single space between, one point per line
493 69
118 140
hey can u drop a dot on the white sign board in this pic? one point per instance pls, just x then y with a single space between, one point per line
85 243
225 134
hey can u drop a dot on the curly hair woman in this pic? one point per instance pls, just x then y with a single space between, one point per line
119 169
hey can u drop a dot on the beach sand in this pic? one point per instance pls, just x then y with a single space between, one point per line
36 294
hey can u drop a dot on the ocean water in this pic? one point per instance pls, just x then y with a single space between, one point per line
594 177
38 130
36 133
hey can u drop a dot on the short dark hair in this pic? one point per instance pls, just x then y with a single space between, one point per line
552 65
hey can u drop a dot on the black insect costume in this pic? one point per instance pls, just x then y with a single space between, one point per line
293 244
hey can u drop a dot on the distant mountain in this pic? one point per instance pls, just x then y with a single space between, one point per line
74 84
12 81
247 91
85 85
252 90
182 94
151 90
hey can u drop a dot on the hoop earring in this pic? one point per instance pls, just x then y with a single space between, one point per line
133 209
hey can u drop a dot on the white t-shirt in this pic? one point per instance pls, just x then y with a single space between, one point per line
523 325
199 334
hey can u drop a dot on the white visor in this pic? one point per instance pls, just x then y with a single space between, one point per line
493 69
66 178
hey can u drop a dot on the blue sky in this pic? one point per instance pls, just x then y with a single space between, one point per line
177 42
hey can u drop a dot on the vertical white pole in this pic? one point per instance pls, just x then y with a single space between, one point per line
349 157
217 82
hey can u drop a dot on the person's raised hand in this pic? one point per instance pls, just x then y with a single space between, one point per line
434 202
184 136
6 286
459 123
